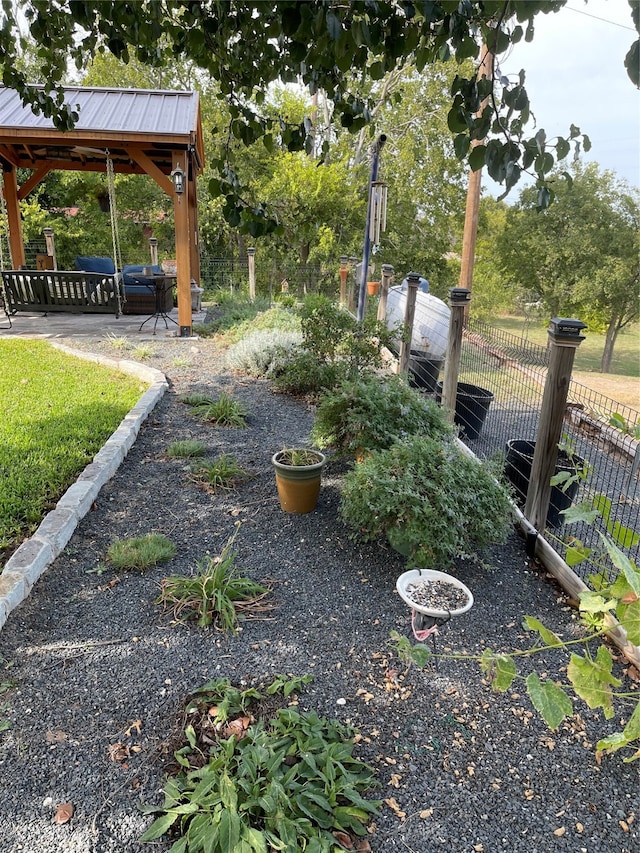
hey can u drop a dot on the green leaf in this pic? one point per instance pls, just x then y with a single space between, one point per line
228 792
616 420
255 839
592 680
547 636
629 617
623 536
229 830
549 700
576 554
593 602
461 145
500 668
623 564
580 512
160 826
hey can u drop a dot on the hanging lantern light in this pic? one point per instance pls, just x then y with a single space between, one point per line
178 176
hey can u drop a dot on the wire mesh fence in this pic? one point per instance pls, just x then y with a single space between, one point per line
501 383
272 277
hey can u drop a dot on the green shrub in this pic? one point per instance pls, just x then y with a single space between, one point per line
302 374
141 552
432 501
263 352
371 413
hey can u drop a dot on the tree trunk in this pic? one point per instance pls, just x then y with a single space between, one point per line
609 343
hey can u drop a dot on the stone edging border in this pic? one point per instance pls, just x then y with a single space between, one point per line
36 554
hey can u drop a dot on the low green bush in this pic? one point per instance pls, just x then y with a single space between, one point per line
371 413
432 502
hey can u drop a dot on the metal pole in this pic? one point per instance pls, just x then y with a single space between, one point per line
362 295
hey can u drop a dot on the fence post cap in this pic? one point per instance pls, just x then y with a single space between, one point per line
459 296
566 329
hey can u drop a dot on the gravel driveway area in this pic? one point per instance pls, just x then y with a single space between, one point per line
95 661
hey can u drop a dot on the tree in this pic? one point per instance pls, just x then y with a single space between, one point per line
580 256
247 45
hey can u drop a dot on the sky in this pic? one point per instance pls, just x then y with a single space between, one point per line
575 74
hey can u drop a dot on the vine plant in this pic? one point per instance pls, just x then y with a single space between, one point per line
590 673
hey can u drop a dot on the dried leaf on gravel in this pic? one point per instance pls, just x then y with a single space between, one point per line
395 807
137 725
118 752
64 813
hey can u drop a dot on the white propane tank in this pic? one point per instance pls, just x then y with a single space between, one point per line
430 323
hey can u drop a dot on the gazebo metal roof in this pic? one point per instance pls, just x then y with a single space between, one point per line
158 133
154 121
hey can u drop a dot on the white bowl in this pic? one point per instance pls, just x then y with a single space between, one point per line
430 574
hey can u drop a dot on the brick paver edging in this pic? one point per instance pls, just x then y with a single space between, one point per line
36 554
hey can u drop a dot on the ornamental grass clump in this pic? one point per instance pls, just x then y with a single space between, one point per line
215 594
371 413
431 501
224 411
221 473
141 552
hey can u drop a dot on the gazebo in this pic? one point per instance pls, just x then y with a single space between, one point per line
158 133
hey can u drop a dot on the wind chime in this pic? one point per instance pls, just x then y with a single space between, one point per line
378 222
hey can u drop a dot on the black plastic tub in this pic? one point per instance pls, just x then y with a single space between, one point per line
472 407
424 371
517 469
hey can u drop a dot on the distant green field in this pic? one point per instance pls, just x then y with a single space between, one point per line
626 355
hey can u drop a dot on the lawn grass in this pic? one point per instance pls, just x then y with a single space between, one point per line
57 412
626 354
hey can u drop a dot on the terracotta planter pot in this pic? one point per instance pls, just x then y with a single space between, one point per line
298 485
373 288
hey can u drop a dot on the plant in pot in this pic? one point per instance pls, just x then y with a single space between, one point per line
298 474
370 413
431 501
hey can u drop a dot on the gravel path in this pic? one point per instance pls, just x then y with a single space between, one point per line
461 768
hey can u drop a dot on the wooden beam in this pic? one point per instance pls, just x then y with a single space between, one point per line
194 231
147 164
8 154
38 175
16 240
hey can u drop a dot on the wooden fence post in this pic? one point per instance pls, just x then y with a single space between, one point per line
564 339
459 299
387 277
251 255
413 280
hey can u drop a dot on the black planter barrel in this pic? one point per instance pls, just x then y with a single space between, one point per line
472 406
517 469
424 370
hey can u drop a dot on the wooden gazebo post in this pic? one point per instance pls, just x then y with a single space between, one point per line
16 239
183 251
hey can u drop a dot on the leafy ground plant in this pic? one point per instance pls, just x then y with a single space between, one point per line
215 594
225 411
221 473
252 776
141 552
188 448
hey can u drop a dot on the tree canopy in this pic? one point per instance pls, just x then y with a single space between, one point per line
248 45
580 257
